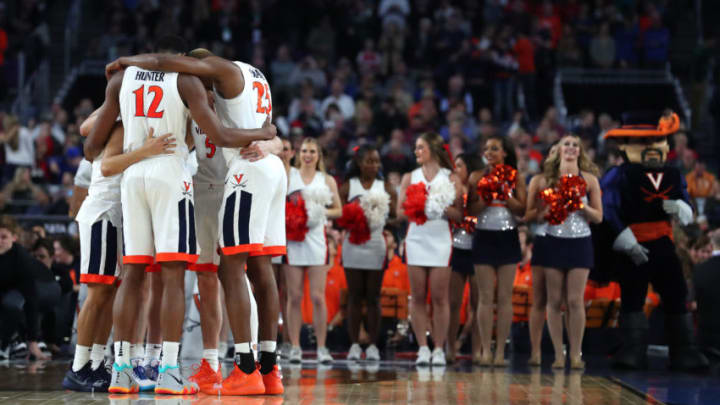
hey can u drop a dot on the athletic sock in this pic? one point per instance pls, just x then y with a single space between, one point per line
137 353
97 355
244 358
152 352
170 352
268 356
82 356
211 356
122 353
222 349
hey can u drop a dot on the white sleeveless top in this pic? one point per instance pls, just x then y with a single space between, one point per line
371 254
430 244
249 109
151 99
312 251
103 196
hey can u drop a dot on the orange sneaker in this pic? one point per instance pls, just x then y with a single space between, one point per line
273 381
239 383
205 376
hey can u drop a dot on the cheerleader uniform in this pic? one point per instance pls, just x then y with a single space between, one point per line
429 244
540 250
313 251
462 258
496 240
569 245
370 255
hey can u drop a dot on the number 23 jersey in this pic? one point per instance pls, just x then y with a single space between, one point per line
249 109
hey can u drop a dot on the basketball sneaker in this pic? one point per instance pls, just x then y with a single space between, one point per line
438 357
239 383
205 377
170 381
272 381
295 355
138 373
122 381
80 381
101 377
151 370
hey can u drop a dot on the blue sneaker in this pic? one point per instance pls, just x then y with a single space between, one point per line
101 378
152 370
146 384
80 381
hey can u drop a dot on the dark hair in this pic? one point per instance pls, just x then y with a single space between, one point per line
508 147
171 44
437 148
8 222
360 153
68 243
471 160
44 244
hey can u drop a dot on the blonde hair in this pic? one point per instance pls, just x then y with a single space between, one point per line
321 157
551 167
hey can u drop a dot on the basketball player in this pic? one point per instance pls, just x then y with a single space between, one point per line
253 211
157 201
209 187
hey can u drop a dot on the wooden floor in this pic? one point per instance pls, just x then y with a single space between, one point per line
397 382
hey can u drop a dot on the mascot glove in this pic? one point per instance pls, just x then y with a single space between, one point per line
680 210
628 244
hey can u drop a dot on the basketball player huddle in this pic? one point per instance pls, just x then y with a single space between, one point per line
143 204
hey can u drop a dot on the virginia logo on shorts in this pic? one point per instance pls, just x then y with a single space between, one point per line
239 181
186 189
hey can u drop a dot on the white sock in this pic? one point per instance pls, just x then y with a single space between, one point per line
222 349
242 347
82 356
268 346
211 355
97 355
170 352
137 352
152 352
117 346
122 353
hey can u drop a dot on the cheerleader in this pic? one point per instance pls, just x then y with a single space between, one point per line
311 254
568 254
287 154
537 263
364 263
462 265
428 248
496 249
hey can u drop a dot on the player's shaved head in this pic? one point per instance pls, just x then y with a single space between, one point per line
200 53
171 44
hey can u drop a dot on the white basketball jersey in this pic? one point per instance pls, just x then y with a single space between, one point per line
151 99
212 167
249 109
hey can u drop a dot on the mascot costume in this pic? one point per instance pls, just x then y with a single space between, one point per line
640 197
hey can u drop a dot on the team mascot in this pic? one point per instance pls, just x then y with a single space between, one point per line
640 197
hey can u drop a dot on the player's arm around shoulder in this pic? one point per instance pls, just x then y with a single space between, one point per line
105 120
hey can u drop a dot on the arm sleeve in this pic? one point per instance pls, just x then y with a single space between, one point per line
83 174
611 199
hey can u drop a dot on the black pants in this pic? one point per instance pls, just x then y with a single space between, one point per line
48 303
12 315
665 273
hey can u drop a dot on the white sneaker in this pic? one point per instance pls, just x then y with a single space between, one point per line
323 356
372 353
285 349
438 357
295 355
355 352
423 356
